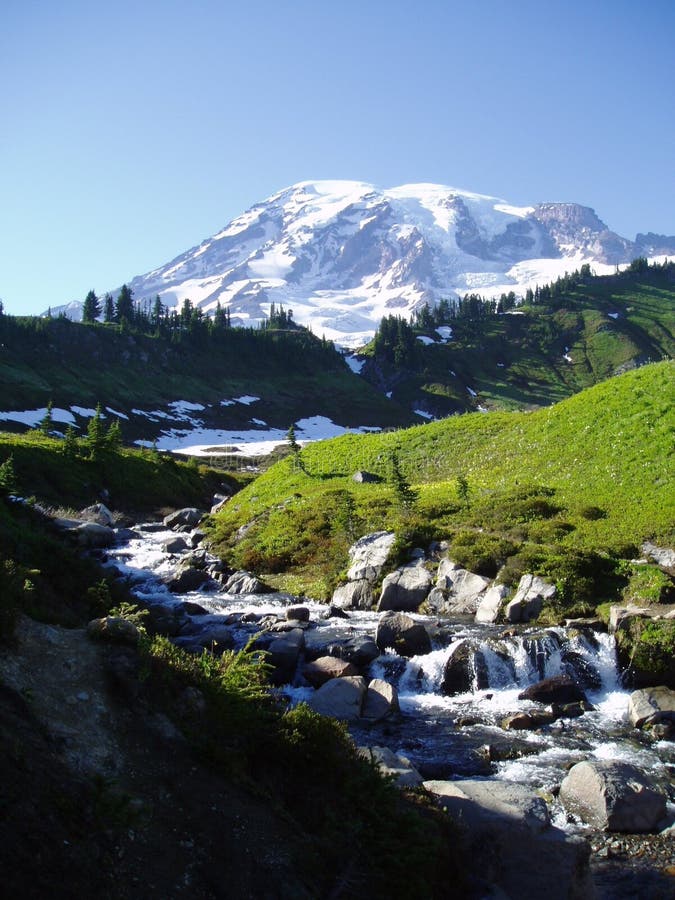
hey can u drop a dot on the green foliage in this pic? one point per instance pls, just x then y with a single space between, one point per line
484 554
96 441
403 491
8 481
15 589
648 584
46 423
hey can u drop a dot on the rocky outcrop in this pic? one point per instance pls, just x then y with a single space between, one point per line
244 583
399 632
369 554
115 629
99 514
530 597
405 589
653 708
644 639
613 796
93 536
174 545
514 850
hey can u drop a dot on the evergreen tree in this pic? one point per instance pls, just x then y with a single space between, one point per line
108 308
69 447
113 438
91 309
46 423
124 308
8 484
405 494
96 433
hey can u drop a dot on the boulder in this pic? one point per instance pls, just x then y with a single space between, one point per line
324 668
465 669
184 519
359 650
94 536
283 655
651 706
353 595
174 545
381 700
513 851
297 614
462 589
189 579
527 721
340 698
113 628
529 599
558 689
613 796
490 604
662 556
393 764
369 554
363 477
401 633
244 583
405 589
99 514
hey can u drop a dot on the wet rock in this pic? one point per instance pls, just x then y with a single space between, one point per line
197 538
581 670
190 579
490 604
465 669
530 597
244 583
651 706
381 700
114 629
558 689
613 796
527 721
359 650
393 764
323 669
297 614
174 545
283 655
335 612
405 589
354 595
193 609
184 519
369 554
403 634
340 698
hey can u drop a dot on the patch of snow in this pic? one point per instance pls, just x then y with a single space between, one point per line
227 402
183 406
567 357
454 374
259 422
246 399
472 392
421 412
354 363
445 332
500 365
114 412
33 417
613 315
423 339
83 411
388 395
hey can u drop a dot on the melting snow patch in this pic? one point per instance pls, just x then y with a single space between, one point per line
246 399
613 315
120 415
227 402
473 393
423 339
83 411
567 357
258 422
421 412
355 364
444 331
183 406
388 395
33 417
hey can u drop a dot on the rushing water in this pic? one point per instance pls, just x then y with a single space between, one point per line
446 736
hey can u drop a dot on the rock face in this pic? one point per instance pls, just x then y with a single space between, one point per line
340 698
652 706
558 689
513 849
490 604
405 589
113 628
401 633
529 599
354 595
613 796
369 554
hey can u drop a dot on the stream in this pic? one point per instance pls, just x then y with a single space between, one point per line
444 737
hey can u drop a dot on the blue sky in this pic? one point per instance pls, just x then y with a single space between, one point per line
130 131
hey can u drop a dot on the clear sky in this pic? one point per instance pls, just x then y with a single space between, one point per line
130 131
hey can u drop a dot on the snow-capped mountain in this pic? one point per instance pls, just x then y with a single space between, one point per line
342 254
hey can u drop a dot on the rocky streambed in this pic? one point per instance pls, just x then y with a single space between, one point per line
496 721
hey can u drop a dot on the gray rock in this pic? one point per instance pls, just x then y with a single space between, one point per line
515 801
465 669
91 535
185 518
530 597
174 545
354 595
366 478
557 689
113 628
297 614
527 721
369 554
662 556
613 796
463 588
323 669
99 514
284 652
490 604
651 706
405 589
243 583
189 579
401 633
381 700
340 698
393 764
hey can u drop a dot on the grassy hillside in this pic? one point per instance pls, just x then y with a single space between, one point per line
540 353
551 490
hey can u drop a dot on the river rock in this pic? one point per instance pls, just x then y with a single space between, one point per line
465 669
283 653
558 689
354 595
513 851
243 583
462 589
393 764
651 706
297 614
99 514
369 554
490 604
184 519
94 536
405 589
401 633
321 670
174 545
189 579
530 597
340 698
613 796
381 700
113 628
528 721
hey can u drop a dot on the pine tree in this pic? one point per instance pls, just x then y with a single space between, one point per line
113 438
69 447
96 434
108 308
124 308
8 483
46 423
405 494
91 309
